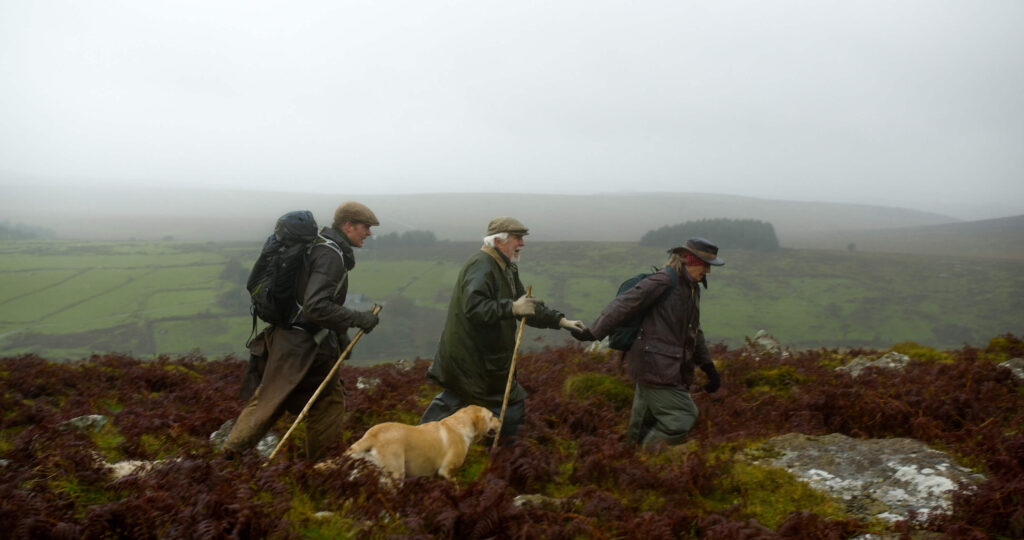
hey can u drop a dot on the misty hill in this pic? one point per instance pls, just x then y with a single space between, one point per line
190 214
1002 237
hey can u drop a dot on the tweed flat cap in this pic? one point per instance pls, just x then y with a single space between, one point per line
506 224
352 211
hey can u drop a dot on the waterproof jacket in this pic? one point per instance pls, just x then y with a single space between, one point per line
290 360
475 351
670 342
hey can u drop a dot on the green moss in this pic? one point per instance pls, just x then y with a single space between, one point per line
108 442
776 380
309 522
921 352
83 496
560 486
598 385
999 349
477 459
178 368
832 359
769 495
110 405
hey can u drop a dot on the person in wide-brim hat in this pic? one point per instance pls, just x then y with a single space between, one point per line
669 344
703 249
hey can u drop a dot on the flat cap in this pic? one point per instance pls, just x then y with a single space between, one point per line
354 212
506 224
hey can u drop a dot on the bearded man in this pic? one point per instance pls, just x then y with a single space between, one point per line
475 351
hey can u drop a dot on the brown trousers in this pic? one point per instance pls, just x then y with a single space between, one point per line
294 368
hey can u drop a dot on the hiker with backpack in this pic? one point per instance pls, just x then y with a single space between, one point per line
667 344
299 285
475 352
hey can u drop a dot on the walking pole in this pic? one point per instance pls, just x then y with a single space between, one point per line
511 373
327 380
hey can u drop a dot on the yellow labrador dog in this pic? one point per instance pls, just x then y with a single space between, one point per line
433 448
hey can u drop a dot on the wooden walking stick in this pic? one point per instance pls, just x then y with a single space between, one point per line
511 374
327 380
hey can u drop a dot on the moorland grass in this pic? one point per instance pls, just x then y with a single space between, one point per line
176 292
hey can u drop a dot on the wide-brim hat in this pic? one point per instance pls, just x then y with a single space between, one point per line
703 249
507 225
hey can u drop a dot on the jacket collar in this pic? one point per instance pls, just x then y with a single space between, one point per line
339 238
503 261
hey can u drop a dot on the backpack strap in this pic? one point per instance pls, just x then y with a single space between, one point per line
322 240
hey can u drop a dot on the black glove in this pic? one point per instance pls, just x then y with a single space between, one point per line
714 379
365 320
583 335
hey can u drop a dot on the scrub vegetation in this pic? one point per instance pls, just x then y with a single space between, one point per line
582 479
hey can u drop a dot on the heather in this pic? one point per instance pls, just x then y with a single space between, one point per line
54 482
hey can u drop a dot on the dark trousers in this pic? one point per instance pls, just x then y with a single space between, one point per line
661 415
446 403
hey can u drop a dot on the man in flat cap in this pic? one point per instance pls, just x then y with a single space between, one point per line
475 351
292 361
669 345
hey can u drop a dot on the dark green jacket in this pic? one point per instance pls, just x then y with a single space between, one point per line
475 351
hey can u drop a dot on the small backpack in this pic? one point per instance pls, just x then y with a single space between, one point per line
623 336
274 277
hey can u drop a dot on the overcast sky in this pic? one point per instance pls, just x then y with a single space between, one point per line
915 104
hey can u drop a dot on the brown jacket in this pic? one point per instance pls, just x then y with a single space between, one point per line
670 343
288 362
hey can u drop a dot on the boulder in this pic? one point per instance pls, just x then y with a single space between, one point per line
764 344
89 422
889 360
1016 366
875 478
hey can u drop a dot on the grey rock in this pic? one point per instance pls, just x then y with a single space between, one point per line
889 360
265 447
536 500
764 344
89 422
874 478
365 383
1016 366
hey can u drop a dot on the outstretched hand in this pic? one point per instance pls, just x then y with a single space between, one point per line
571 325
582 335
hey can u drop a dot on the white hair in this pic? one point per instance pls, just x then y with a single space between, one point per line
489 240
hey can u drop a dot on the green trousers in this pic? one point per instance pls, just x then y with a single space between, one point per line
660 415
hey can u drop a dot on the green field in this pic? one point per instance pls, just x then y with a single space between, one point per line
70 299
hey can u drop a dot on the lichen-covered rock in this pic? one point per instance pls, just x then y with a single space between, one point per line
89 422
1016 366
874 478
889 360
764 344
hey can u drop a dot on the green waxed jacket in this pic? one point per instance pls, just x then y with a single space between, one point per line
475 351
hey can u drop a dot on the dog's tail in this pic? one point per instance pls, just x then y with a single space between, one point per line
362 449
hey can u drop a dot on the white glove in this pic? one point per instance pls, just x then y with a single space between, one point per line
525 306
572 325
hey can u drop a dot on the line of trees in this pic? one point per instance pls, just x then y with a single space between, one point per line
730 233
20 231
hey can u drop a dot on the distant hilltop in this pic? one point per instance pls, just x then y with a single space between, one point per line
192 214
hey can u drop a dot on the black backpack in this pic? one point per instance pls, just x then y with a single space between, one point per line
623 336
274 277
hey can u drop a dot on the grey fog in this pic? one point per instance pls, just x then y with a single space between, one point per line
912 104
